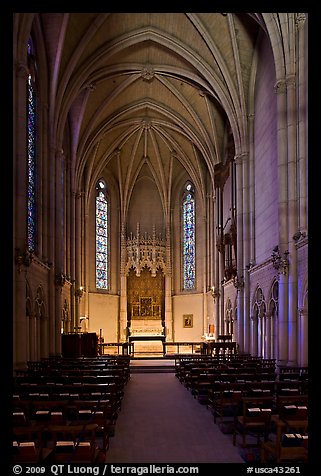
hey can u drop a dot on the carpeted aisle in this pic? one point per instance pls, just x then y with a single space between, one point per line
161 422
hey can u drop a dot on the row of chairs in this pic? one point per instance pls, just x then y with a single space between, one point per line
271 414
58 443
60 416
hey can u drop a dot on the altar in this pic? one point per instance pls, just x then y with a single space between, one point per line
147 336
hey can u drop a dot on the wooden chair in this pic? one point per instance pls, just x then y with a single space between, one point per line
227 401
287 447
255 419
28 445
74 443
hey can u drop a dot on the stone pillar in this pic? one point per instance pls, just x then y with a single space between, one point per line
78 280
292 220
122 332
268 337
280 89
239 227
303 337
302 120
72 257
283 321
169 325
254 335
51 230
20 321
205 275
246 252
59 243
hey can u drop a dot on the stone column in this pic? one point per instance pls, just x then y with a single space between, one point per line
280 89
303 337
72 257
78 280
205 275
122 335
168 289
292 220
20 324
239 227
59 243
246 239
268 336
254 334
302 120
218 269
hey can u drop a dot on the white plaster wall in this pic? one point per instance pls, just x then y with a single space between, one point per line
188 304
103 314
265 156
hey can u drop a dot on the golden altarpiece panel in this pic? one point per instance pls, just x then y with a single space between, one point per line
145 295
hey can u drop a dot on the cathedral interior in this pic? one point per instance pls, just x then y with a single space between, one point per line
160 180
160 238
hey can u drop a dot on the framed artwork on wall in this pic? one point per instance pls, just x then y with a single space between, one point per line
187 320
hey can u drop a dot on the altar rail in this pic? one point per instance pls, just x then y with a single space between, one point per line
203 348
116 348
209 348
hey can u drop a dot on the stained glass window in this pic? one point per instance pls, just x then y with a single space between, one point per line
188 238
31 168
101 236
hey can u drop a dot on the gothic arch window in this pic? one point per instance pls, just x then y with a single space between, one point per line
259 313
102 237
31 150
188 225
273 324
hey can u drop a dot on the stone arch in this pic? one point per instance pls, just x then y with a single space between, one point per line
272 321
258 322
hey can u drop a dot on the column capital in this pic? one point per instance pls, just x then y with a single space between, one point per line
302 312
240 158
290 81
280 86
300 20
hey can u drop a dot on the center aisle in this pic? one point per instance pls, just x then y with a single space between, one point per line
161 422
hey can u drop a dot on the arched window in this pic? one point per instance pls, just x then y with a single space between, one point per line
102 280
31 151
188 216
273 325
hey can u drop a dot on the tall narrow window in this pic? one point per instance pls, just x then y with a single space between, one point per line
101 236
31 151
188 213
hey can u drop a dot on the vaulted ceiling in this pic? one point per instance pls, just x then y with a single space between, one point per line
157 94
